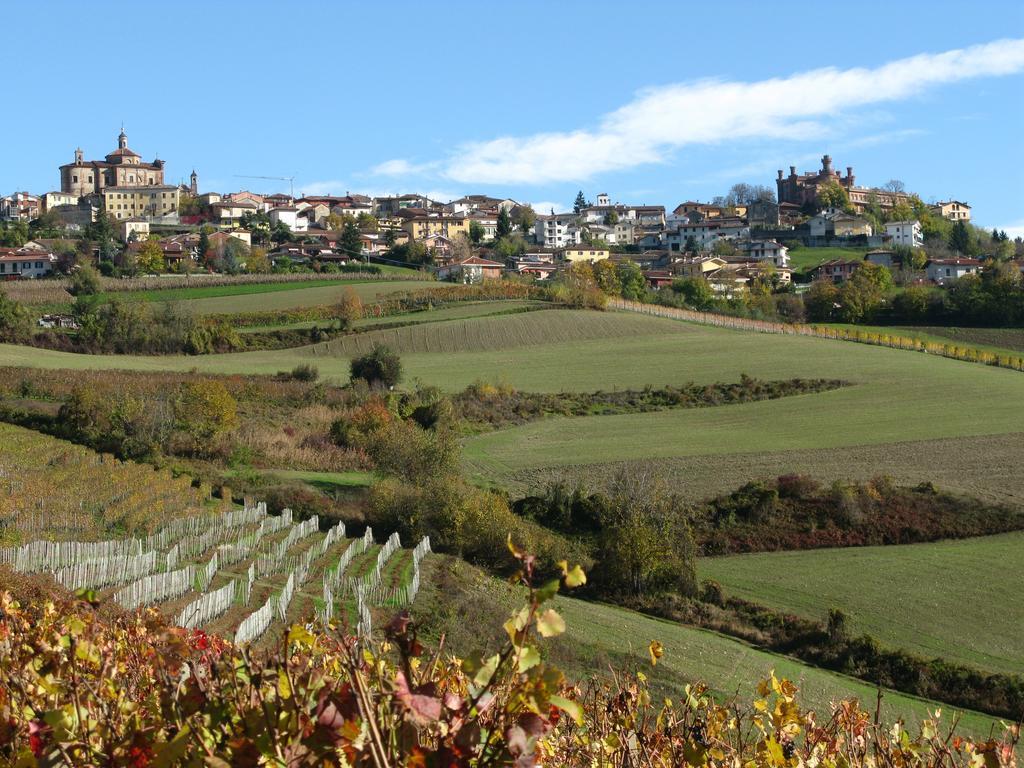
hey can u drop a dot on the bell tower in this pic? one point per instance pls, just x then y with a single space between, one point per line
194 183
122 139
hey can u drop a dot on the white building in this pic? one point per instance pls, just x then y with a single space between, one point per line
768 250
948 270
25 262
289 216
557 230
905 233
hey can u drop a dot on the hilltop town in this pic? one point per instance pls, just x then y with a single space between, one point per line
119 215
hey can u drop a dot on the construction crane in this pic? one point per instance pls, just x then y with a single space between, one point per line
289 179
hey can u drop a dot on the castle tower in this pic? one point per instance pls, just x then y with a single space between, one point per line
826 165
194 183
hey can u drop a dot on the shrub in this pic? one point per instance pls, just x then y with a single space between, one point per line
379 367
305 372
15 322
85 281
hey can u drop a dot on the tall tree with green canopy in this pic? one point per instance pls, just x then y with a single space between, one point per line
580 204
504 228
350 241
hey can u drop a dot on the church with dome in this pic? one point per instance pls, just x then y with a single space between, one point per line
121 168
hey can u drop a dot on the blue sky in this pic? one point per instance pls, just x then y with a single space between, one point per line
650 102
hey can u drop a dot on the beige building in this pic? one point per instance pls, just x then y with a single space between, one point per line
953 210
145 202
121 168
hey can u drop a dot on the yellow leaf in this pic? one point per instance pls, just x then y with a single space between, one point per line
284 688
299 635
574 577
550 624
571 708
528 658
656 650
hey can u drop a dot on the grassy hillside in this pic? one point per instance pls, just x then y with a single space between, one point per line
807 258
266 296
960 600
895 397
458 311
469 607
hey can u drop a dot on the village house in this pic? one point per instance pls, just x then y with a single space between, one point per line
25 263
575 253
473 270
52 200
698 266
905 233
228 213
420 224
836 270
954 210
289 216
20 206
948 270
557 230
126 228
767 250
884 258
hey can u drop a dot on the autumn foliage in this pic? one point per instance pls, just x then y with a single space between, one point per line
84 687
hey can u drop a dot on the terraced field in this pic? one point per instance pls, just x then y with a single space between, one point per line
959 600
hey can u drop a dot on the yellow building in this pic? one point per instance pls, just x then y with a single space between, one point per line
584 253
421 227
142 202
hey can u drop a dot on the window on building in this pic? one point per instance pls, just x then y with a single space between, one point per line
39 265
74 179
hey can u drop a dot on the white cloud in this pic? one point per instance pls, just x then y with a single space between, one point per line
400 167
1014 230
665 118
546 206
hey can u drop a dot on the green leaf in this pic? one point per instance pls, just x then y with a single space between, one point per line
550 624
171 753
548 591
528 658
571 708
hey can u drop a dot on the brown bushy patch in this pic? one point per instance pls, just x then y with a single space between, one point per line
793 512
484 405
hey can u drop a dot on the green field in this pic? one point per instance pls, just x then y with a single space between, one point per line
255 297
472 606
457 311
806 258
894 396
959 600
